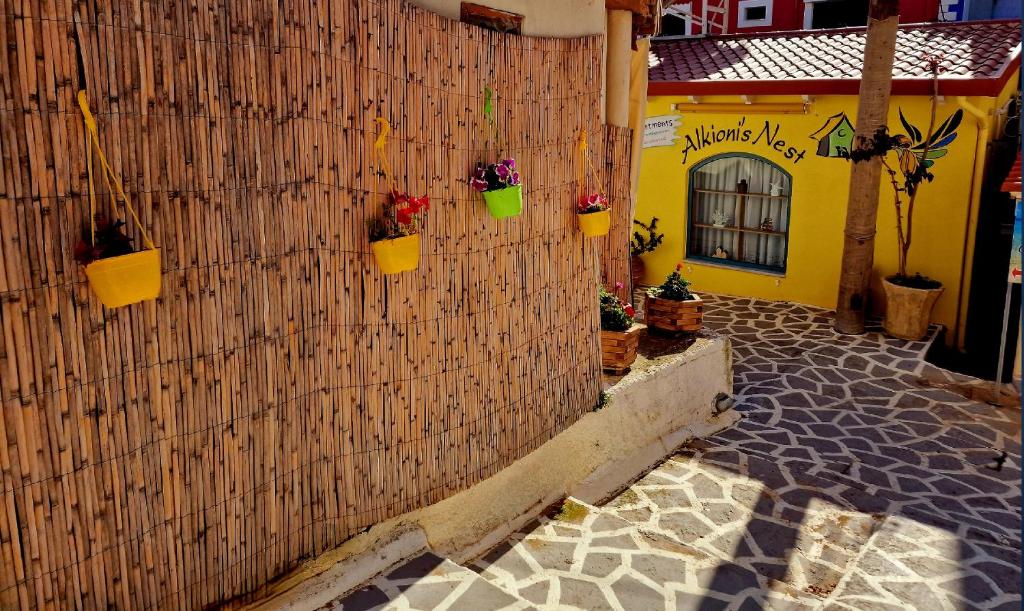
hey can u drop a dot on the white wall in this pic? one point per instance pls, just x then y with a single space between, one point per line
556 18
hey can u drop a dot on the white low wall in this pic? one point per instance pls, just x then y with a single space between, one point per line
649 414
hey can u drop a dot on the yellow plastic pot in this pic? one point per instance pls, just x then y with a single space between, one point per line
595 224
397 255
127 279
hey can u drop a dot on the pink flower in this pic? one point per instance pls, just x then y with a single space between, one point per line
502 171
618 285
509 163
515 179
479 184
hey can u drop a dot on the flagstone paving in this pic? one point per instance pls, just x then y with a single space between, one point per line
856 480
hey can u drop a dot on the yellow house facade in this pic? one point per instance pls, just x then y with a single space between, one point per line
747 174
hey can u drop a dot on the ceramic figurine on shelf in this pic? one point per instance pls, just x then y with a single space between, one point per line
775 189
767 224
720 253
719 218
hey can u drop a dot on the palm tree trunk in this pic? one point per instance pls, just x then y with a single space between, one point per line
865 176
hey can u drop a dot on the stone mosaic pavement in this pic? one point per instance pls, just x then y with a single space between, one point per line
861 477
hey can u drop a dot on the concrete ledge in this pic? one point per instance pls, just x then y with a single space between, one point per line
666 400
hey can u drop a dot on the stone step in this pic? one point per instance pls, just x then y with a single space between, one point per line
846 547
594 558
428 583
714 528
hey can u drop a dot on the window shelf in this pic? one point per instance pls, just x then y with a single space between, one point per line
717 192
743 229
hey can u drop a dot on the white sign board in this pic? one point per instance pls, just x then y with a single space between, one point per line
661 130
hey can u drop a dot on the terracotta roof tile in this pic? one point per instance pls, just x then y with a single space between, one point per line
972 51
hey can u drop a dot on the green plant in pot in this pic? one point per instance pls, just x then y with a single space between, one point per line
671 307
501 187
645 239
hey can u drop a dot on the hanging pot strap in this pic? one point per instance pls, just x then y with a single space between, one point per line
379 149
113 183
490 123
586 167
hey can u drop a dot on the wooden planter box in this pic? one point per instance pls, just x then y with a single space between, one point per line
618 348
674 316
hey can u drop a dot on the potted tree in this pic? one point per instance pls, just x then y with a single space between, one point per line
909 299
593 215
394 236
620 335
671 307
501 187
644 240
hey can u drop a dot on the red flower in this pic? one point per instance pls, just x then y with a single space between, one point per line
403 216
629 310
679 267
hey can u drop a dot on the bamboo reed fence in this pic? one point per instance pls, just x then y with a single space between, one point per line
615 245
282 394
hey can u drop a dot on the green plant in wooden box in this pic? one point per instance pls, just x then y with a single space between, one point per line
672 307
620 335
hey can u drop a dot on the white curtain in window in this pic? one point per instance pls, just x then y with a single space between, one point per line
714 189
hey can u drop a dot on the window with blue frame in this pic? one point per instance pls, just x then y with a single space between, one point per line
739 212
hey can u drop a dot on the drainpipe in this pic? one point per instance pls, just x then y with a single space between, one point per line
980 150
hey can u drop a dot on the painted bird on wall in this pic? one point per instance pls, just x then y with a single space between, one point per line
910 147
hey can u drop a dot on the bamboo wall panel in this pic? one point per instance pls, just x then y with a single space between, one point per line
615 246
282 394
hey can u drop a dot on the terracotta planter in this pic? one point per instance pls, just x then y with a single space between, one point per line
674 316
908 310
618 348
636 270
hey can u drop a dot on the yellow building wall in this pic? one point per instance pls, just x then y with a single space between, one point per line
818 204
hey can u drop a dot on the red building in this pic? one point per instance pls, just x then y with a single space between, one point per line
712 17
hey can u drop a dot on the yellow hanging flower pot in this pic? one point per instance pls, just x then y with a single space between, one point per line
592 210
125 278
595 224
397 255
394 235
593 215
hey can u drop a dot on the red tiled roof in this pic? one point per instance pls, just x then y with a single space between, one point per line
978 58
1012 182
